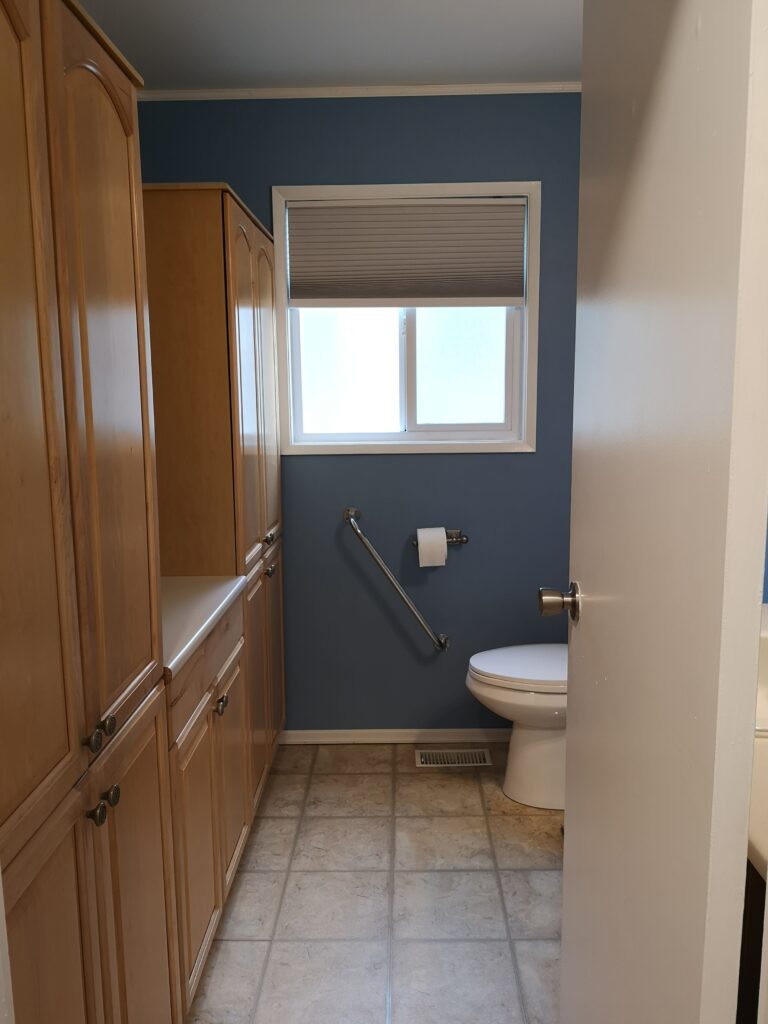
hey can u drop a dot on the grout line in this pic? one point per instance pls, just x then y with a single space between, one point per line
510 940
278 911
391 922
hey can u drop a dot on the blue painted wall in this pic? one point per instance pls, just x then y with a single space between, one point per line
355 659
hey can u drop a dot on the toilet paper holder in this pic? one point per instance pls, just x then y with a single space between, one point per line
453 537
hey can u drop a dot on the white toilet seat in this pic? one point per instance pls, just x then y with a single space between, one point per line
533 668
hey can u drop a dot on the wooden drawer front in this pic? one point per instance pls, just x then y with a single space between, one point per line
196 841
201 671
51 920
233 757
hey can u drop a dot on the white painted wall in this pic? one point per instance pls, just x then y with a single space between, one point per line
669 507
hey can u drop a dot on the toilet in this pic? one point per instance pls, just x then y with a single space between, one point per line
527 684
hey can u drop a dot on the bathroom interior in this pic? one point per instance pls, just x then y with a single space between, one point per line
299 532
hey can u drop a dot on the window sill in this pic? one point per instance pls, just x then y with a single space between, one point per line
403 447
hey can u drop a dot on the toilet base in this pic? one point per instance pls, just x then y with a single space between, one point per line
536 767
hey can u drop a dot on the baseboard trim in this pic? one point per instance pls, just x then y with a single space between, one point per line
289 736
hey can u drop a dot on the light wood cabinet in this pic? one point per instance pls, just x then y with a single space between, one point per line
211 302
233 762
134 866
97 212
275 663
257 671
42 720
196 842
50 903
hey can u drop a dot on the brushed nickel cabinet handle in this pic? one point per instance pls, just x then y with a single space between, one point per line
94 741
269 537
112 796
98 814
271 570
221 704
109 725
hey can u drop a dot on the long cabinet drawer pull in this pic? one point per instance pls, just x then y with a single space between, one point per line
109 725
221 704
94 741
98 814
112 796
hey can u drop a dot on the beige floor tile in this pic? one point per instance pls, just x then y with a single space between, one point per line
294 758
358 758
350 796
325 983
528 841
405 756
269 845
252 905
335 905
438 793
447 905
454 983
284 796
534 903
227 990
539 964
496 800
343 844
430 844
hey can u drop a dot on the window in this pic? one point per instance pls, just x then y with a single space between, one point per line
407 317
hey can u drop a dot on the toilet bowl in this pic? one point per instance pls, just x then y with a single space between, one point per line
527 685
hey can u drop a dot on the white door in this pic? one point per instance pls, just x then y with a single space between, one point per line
669 507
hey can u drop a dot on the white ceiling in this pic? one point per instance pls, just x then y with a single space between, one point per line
252 44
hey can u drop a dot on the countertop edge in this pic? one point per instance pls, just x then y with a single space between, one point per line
174 665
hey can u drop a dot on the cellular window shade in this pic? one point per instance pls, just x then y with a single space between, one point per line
404 252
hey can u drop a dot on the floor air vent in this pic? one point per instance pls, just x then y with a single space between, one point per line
452 758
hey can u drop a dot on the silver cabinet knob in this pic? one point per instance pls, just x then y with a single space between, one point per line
552 602
221 704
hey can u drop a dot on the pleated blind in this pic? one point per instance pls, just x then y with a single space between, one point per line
406 251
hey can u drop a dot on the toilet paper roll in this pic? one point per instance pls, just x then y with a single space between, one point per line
432 543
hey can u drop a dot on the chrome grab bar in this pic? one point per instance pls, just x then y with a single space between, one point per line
439 640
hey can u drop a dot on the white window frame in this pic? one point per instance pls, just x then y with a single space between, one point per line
518 433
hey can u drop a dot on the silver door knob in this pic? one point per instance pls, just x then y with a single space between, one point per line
552 602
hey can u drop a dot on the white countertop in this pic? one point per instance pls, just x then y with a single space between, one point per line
190 607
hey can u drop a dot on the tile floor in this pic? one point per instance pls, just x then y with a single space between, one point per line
372 892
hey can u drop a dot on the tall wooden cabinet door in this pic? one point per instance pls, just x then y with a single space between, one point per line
270 424
92 125
51 919
242 244
233 759
256 654
196 842
42 723
274 574
134 865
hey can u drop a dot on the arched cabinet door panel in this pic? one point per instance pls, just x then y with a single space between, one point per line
99 236
270 420
242 241
42 720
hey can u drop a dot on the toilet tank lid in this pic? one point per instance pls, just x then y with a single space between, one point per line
545 664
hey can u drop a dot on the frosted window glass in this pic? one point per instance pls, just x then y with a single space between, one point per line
461 364
350 370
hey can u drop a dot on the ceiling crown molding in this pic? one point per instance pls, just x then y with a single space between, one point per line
352 91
